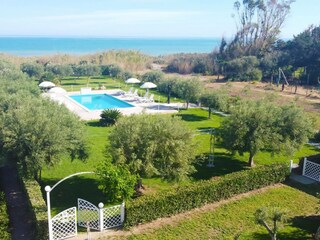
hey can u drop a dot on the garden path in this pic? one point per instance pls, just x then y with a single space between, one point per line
21 224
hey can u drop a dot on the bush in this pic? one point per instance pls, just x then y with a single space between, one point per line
165 204
4 219
109 117
37 207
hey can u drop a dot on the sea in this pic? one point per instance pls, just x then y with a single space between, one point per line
39 46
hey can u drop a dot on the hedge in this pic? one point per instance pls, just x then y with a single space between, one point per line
4 219
151 207
38 208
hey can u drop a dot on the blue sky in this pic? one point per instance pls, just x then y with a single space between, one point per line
136 18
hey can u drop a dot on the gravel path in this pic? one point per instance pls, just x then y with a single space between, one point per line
21 225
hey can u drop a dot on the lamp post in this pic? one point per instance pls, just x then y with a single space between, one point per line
48 189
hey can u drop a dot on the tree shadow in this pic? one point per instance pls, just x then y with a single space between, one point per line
311 189
308 224
298 234
65 195
71 84
192 117
93 124
223 164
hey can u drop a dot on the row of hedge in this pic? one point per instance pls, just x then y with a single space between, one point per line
151 207
38 208
4 219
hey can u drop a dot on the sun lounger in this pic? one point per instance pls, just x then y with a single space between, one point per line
129 92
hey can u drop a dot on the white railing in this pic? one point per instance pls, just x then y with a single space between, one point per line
64 224
100 218
311 170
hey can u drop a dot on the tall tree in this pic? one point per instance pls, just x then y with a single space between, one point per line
258 25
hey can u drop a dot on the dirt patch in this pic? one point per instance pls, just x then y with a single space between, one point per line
307 98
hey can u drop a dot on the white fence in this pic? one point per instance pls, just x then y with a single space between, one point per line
100 218
311 170
64 225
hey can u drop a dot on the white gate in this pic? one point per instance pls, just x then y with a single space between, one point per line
113 216
64 224
311 170
88 215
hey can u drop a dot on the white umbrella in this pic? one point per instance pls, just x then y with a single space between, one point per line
148 85
57 90
47 84
132 80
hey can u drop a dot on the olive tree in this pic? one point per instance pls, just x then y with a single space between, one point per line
152 146
256 126
36 132
270 219
188 89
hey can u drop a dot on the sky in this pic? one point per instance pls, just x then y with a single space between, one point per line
136 18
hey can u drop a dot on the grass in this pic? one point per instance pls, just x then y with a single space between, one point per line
86 186
237 218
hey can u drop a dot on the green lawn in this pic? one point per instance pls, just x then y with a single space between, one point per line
86 186
237 218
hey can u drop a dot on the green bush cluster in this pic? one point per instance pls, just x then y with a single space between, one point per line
151 207
4 219
38 208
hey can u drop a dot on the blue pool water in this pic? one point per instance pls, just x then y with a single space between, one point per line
99 101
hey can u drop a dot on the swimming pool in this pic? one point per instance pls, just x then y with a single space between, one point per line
99 101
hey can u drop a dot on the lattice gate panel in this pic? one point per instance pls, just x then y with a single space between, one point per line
88 214
112 216
312 170
64 224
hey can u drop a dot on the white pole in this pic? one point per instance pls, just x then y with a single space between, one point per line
291 165
304 166
48 189
122 212
101 216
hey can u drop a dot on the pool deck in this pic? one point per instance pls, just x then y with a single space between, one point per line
85 114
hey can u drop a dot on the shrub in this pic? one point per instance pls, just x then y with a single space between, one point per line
4 219
109 117
165 204
37 207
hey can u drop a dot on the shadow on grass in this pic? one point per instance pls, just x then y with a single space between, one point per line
72 84
192 117
308 224
65 195
311 189
292 235
223 164
93 124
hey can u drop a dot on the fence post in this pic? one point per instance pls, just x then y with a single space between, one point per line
122 212
291 165
304 166
101 216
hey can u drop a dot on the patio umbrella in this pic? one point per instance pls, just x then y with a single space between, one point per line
148 85
47 84
132 80
57 90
